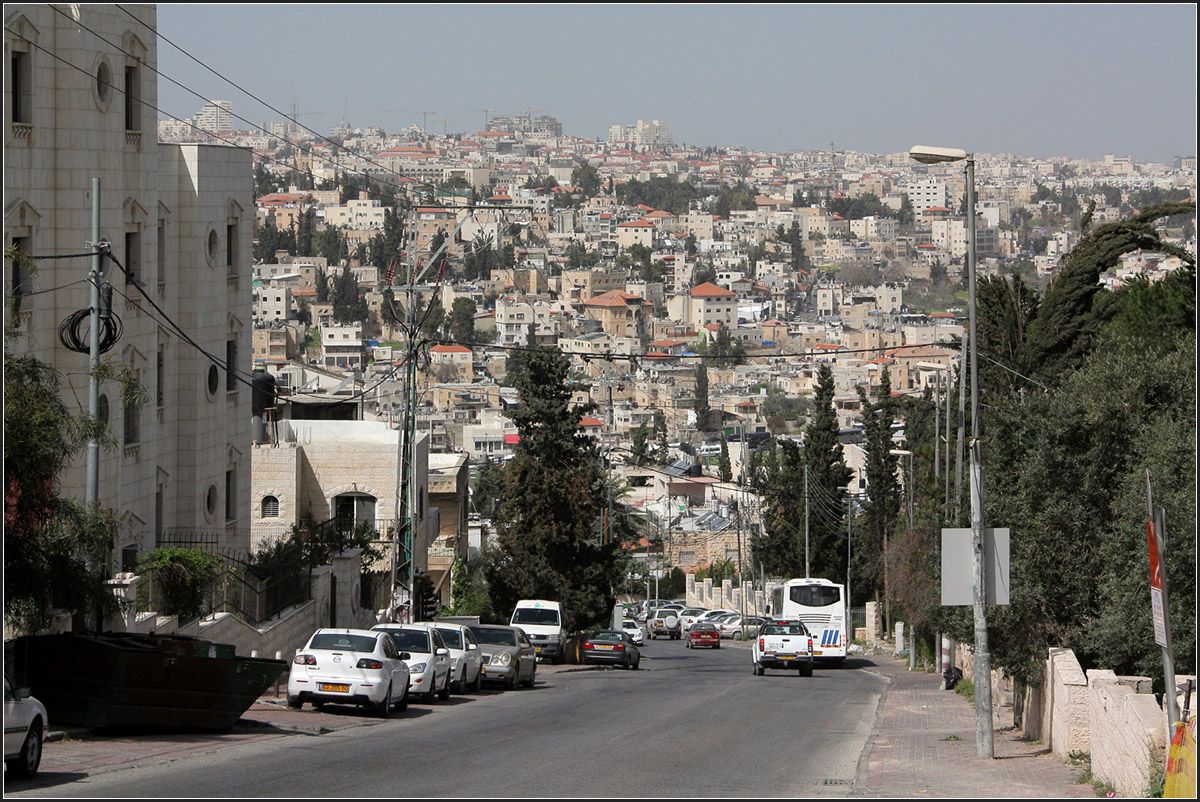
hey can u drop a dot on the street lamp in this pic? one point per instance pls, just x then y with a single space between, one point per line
983 686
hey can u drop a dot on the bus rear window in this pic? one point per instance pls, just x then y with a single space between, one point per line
815 595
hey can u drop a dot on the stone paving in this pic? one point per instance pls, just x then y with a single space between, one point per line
924 746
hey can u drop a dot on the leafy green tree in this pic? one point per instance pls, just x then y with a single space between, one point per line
587 178
700 405
554 495
779 547
705 273
881 508
271 240
724 467
462 321
330 242
178 580
388 245
827 480
638 445
348 305
662 454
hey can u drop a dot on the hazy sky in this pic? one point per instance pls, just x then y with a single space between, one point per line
1032 80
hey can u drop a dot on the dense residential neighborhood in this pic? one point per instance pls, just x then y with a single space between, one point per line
360 361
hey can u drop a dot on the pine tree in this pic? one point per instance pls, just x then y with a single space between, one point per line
549 517
827 480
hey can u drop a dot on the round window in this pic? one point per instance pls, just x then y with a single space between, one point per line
210 501
103 82
214 379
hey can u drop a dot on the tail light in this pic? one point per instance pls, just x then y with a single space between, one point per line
620 647
304 660
762 643
588 645
367 662
810 644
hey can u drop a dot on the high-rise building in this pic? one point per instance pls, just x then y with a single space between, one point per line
178 219
216 116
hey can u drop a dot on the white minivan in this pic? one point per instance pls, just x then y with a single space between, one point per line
542 622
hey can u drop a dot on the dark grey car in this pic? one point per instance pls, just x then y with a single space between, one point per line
508 656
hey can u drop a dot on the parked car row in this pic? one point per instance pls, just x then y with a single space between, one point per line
385 667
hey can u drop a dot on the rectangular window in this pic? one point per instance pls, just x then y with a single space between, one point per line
231 495
162 252
133 99
133 419
20 277
21 88
231 236
133 257
231 365
160 379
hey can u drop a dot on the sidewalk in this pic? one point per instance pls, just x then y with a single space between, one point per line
924 745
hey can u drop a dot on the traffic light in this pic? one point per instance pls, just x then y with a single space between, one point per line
425 602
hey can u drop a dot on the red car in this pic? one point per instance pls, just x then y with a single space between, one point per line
704 634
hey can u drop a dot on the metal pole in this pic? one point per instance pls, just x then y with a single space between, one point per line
983 667
962 428
806 571
93 448
946 498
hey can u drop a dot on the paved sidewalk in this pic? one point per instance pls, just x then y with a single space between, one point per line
924 745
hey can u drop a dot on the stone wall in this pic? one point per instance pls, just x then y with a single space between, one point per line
1128 737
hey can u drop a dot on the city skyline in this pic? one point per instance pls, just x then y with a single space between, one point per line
1044 81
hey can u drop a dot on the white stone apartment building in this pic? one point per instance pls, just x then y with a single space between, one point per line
79 99
272 301
342 347
358 213
705 305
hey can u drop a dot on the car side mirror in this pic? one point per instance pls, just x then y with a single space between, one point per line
22 693
471 647
442 652
405 656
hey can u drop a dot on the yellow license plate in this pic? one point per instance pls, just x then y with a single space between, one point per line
537 648
786 657
327 688
602 646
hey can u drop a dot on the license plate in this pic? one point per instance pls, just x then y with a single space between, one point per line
786 657
537 648
816 652
325 687
602 646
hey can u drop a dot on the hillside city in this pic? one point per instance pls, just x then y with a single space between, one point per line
266 383
847 259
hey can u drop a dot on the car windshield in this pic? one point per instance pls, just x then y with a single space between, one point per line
783 629
536 616
452 637
496 637
410 640
343 642
704 628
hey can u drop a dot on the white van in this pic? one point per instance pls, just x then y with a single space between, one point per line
542 621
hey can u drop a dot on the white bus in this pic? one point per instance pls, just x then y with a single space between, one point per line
821 605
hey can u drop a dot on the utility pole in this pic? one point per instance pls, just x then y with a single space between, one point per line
93 448
806 502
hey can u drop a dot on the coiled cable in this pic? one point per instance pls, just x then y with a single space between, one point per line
74 333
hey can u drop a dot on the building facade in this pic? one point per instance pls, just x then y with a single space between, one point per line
179 220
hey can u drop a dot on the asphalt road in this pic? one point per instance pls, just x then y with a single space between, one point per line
689 723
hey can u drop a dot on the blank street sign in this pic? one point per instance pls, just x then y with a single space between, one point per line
957 576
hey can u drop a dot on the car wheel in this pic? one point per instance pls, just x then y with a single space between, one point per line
444 693
512 680
460 684
759 670
716 645
402 705
318 705
529 682
295 702
25 765
477 685
385 707
637 663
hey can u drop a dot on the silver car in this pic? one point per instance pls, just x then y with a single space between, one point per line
508 656
466 659
428 658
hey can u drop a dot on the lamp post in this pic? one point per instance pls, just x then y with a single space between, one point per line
983 685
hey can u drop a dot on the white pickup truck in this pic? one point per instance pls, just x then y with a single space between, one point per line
783 644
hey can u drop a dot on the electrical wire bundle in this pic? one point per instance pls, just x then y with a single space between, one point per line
75 335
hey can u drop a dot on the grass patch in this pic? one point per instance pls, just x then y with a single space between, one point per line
966 689
952 738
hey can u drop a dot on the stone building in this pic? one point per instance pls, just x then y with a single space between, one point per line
80 135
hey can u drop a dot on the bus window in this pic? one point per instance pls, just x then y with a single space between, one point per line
815 595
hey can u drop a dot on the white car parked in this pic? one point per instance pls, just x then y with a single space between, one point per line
24 731
466 660
349 666
690 616
428 658
634 631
